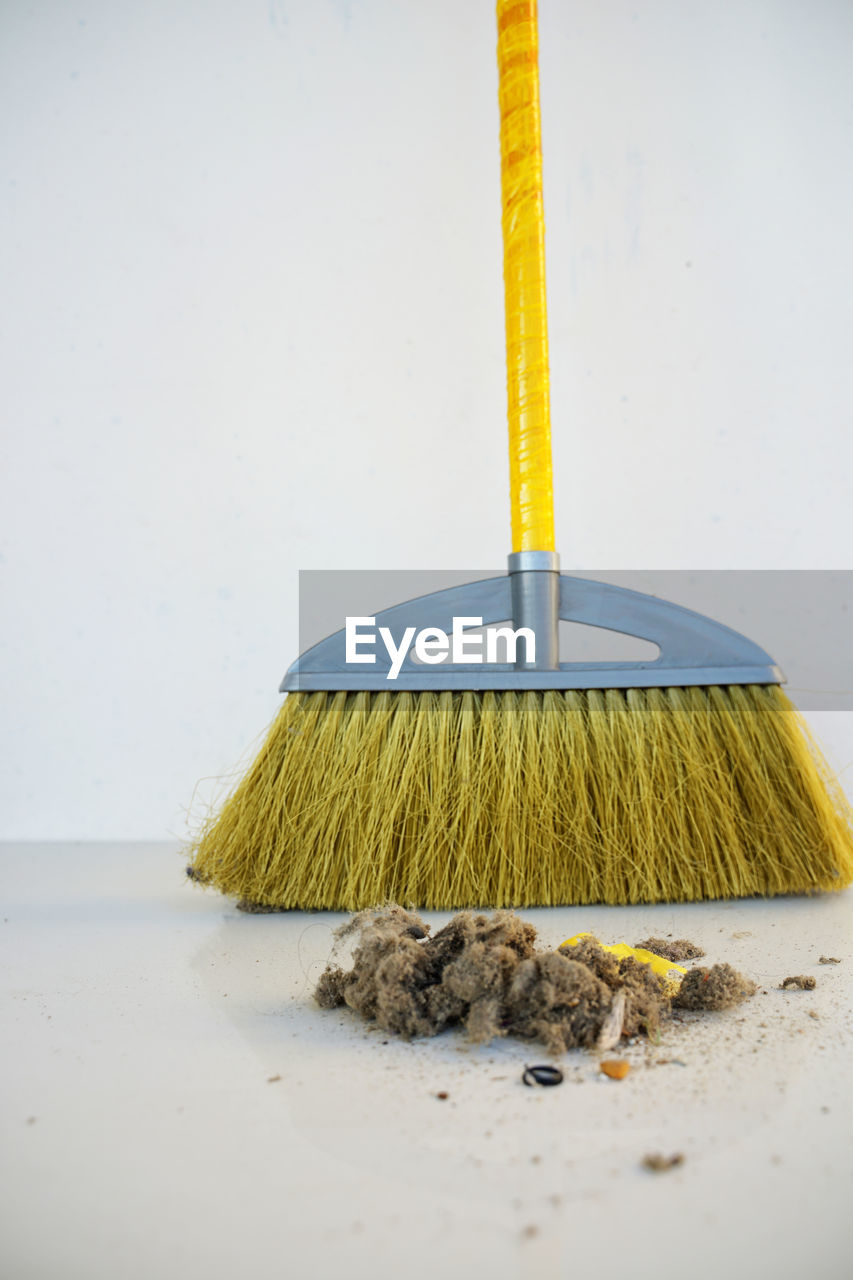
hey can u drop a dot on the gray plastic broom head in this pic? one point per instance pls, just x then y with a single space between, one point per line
533 597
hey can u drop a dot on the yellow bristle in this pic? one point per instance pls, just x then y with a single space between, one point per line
445 800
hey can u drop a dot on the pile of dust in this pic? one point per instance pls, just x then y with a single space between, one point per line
720 987
485 974
799 980
676 951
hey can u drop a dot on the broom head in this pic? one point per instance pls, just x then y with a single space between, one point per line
641 782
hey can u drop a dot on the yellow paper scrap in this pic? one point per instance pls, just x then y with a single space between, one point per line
671 973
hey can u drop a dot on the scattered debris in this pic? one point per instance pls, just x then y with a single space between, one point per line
680 949
485 974
543 1074
658 1163
615 1068
254 908
611 1029
192 874
813 1013
798 981
273 1079
720 987
645 992
829 960
442 1095
530 1231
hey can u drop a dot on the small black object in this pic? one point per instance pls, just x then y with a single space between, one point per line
543 1074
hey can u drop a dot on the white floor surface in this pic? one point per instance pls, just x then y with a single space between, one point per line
174 1104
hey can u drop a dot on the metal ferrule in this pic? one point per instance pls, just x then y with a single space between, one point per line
535 586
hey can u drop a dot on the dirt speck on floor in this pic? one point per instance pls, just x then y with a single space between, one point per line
829 960
615 1068
545 1075
659 1164
676 951
798 981
720 987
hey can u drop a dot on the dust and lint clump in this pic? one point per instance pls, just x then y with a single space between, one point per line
486 975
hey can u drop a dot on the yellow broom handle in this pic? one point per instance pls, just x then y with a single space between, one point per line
531 486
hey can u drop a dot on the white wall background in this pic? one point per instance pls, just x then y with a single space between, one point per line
252 322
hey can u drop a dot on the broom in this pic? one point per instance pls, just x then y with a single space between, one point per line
531 782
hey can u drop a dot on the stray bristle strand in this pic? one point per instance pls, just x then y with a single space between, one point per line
521 798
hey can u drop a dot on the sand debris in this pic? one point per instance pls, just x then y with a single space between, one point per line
659 1164
720 987
675 951
798 981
